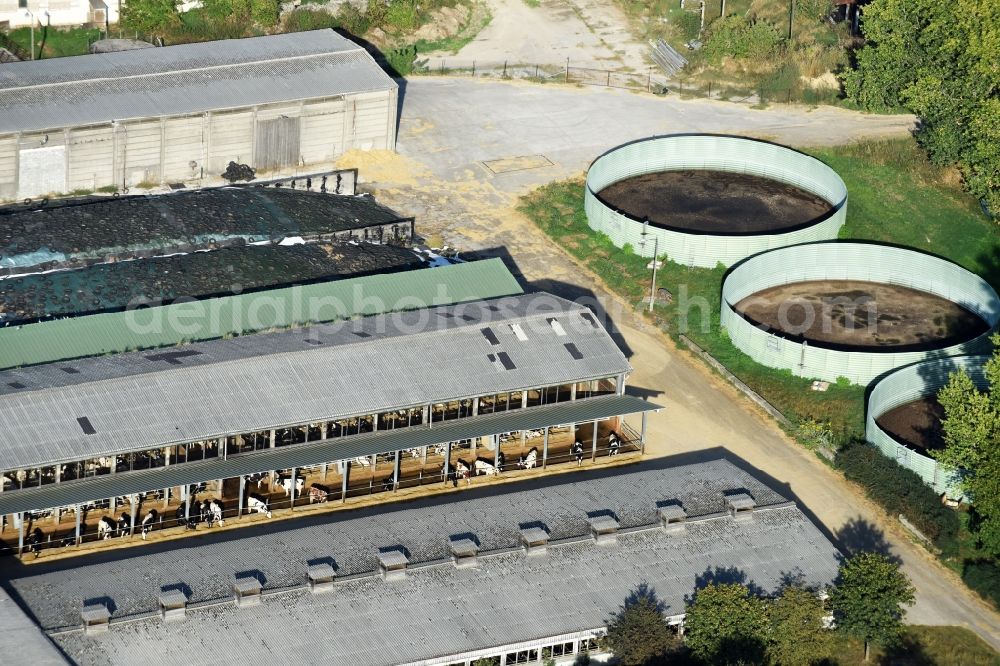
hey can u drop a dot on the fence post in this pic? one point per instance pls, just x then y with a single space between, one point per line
567 70
649 80
473 69
710 90
536 71
505 69
609 78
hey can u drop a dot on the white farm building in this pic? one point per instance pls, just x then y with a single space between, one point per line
284 104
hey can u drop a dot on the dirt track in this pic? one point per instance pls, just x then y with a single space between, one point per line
449 127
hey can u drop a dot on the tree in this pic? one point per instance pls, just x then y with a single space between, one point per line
867 599
638 633
937 58
725 624
149 17
972 445
798 633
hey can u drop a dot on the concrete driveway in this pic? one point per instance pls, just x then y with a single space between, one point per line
468 149
589 33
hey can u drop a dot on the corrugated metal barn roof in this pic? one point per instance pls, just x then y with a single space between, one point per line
437 610
417 365
189 78
168 325
300 455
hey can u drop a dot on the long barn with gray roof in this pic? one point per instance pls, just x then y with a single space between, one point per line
283 104
511 607
430 395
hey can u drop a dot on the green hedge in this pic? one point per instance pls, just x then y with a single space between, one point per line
984 578
900 491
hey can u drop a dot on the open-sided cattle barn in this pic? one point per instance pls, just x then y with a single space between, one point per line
432 395
511 608
283 104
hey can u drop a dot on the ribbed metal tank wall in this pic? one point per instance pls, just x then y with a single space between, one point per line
718 153
916 382
867 262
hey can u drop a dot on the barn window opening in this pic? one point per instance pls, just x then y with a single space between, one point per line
590 319
490 335
505 361
519 332
557 327
573 351
86 426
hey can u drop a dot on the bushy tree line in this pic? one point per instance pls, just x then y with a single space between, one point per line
900 491
938 59
972 445
728 623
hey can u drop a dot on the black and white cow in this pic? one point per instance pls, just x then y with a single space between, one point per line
106 528
529 461
257 504
148 521
285 483
614 443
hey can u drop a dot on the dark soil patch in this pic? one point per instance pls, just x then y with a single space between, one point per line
844 314
916 423
715 202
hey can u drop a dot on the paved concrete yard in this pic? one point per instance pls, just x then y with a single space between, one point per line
450 126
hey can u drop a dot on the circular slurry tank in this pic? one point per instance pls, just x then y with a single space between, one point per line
854 310
904 417
705 199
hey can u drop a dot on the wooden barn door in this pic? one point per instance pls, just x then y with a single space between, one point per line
277 143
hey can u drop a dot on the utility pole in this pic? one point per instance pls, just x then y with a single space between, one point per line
702 8
722 12
655 263
791 17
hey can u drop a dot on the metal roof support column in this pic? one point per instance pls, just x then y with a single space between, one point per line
239 504
545 448
20 533
496 451
395 473
593 446
572 396
642 433
343 481
291 493
325 466
423 456
78 511
186 494
620 384
272 432
224 445
56 515
134 501
447 462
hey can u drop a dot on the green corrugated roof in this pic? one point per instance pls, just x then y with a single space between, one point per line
169 325
316 453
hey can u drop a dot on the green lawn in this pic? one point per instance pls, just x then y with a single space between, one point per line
56 42
922 646
925 210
